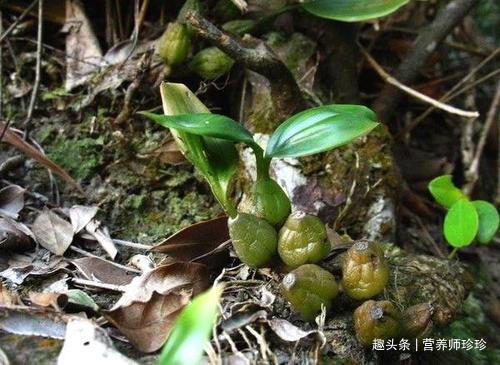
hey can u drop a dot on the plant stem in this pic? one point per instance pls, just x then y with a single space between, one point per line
452 253
262 163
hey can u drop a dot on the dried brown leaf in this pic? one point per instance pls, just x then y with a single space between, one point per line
80 216
96 269
242 319
15 236
196 241
12 138
101 235
11 200
147 310
22 266
53 232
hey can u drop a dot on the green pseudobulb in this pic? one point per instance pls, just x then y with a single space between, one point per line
365 271
254 239
303 240
307 288
376 320
270 201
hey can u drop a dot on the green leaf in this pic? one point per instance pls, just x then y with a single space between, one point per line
461 223
204 124
352 10
215 159
444 191
82 299
488 220
320 129
192 330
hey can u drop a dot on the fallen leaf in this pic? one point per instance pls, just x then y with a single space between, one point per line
37 264
12 138
169 153
53 232
15 236
142 262
79 298
102 237
11 200
33 321
147 310
86 343
55 300
80 216
81 44
196 241
287 331
96 269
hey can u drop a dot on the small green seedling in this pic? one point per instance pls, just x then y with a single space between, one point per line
465 220
192 330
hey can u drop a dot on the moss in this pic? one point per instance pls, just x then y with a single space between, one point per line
80 157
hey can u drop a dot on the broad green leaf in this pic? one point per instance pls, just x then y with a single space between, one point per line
192 330
352 10
80 298
204 124
461 223
215 159
444 191
320 129
488 220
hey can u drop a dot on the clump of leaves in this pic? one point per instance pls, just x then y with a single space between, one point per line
465 220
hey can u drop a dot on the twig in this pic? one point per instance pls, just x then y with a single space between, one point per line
425 44
36 85
472 173
138 246
96 284
21 17
287 96
437 104
452 93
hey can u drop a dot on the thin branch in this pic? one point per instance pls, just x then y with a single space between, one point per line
452 93
96 284
21 17
472 173
36 85
425 44
137 246
286 93
437 104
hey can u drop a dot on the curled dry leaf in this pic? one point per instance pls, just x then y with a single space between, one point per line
91 344
242 319
147 310
22 266
11 201
15 236
55 300
80 216
287 331
196 241
101 235
53 232
96 269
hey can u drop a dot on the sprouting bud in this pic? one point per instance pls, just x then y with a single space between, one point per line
211 63
416 320
303 240
365 272
376 320
225 10
174 44
240 26
307 288
270 201
254 239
